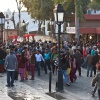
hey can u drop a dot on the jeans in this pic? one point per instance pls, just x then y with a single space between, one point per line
94 69
10 76
65 75
89 68
38 66
84 63
47 63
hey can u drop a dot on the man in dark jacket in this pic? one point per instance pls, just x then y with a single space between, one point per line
96 58
65 65
78 57
89 60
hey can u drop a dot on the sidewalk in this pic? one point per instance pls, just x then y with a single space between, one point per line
37 89
21 91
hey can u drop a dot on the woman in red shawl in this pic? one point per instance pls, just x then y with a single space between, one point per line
22 66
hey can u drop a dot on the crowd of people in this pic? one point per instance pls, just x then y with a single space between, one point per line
23 58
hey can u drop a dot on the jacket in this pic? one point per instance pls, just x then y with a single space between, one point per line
78 57
89 60
64 63
11 62
95 59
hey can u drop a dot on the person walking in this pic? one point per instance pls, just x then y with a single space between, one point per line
73 76
96 58
32 65
54 56
84 56
65 65
47 60
89 60
22 66
38 58
96 80
78 57
11 64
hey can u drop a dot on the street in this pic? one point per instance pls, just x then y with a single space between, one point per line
38 89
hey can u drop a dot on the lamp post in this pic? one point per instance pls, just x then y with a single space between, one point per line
19 7
2 22
59 19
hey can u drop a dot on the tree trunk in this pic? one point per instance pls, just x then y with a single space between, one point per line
44 28
76 23
39 27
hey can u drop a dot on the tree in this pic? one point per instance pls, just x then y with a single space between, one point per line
39 9
98 1
94 5
43 9
78 7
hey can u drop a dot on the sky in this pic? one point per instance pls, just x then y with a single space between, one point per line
8 4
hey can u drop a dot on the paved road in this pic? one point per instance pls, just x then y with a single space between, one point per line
37 89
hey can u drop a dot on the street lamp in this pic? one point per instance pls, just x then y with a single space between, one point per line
19 7
2 22
59 19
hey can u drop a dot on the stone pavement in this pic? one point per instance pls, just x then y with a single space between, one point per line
37 89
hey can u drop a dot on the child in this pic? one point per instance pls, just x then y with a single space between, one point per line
96 80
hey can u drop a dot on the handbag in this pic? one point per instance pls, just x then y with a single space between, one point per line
68 70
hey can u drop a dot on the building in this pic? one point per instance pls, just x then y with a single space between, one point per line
89 28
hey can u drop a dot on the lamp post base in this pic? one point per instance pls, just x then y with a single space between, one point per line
59 83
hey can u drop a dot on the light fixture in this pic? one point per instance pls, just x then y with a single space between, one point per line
59 14
90 37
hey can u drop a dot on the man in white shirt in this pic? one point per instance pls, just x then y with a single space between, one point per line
38 58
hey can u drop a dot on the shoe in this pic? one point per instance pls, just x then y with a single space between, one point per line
67 84
26 78
32 79
16 79
7 85
12 85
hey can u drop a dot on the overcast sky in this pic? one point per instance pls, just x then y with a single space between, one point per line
5 4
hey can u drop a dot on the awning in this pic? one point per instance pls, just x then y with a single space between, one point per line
89 30
92 17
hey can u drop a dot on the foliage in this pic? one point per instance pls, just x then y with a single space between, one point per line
39 9
98 1
43 9
94 5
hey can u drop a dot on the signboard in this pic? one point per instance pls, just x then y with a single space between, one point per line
70 30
